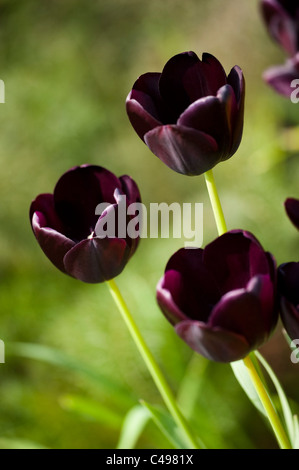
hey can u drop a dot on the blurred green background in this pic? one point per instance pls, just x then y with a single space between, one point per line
68 67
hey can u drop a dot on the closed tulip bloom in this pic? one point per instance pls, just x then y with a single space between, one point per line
65 223
191 114
221 299
292 209
288 288
284 78
282 20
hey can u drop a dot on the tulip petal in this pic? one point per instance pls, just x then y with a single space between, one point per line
77 194
204 78
165 298
44 203
236 80
130 189
182 149
209 115
215 344
280 19
281 77
240 312
234 258
288 287
290 318
144 104
97 260
171 86
292 209
288 281
183 291
192 287
54 244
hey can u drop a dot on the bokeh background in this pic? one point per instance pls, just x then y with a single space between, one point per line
72 372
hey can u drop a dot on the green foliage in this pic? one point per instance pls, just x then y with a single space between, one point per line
68 68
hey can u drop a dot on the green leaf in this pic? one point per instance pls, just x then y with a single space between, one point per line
91 409
243 377
54 357
285 407
166 424
296 435
133 426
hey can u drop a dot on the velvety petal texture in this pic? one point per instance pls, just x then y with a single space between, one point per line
282 21
191 114
292 210
221 299
288 288
66 223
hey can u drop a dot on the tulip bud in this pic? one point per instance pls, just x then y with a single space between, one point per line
190 115
221 299
66 223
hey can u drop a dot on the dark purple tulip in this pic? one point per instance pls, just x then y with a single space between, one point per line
221 300
65 223
292 209
282 20
288 287
281 77
191 114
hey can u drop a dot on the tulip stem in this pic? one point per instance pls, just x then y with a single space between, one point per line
257 382
267 404
215 202
152 366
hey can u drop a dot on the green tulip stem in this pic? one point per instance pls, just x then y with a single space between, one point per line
152 366
258 384
267 404
215 202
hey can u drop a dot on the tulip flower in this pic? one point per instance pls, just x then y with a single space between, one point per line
190 115
65 223
292 209
288 288
284 78
282 20
221 299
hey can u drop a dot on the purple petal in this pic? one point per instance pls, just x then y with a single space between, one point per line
144 104
204 78
288 282
290 318
54 244
165 297
184 150
281 77
191 286
171 83
247 312
237 82
292 209
77 194
281 23
288 287
215 344
209 115
97 260
130 189
234 258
